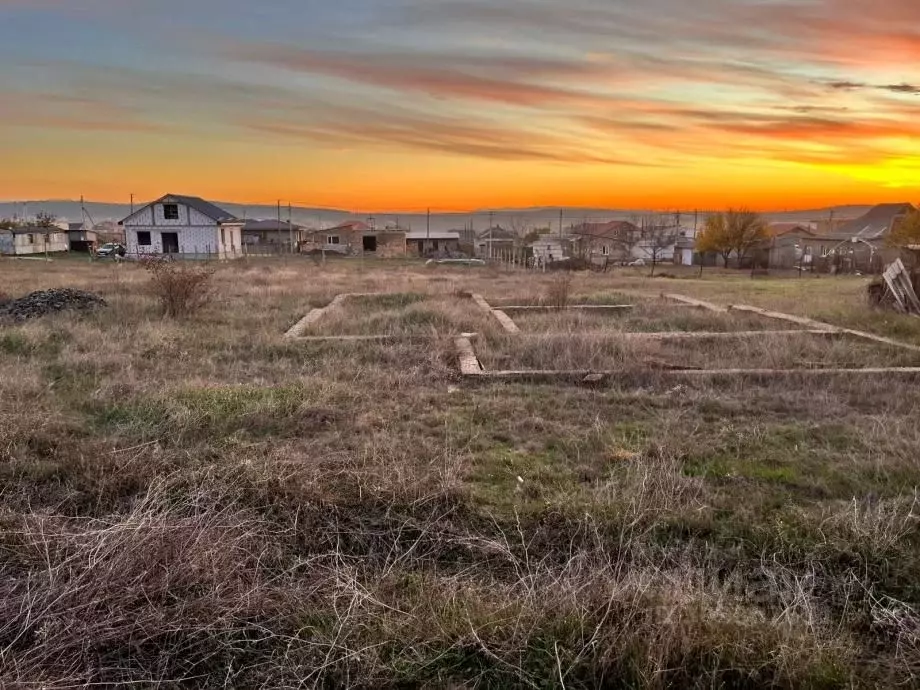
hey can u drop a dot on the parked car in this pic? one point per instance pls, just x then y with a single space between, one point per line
111 249
637 263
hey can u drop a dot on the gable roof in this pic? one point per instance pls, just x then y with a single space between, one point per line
497 233
611 230
355 225
783 229
206 208
270 225
874 224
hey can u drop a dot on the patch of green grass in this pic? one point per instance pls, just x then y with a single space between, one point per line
387 301
219 413
506 479
16 344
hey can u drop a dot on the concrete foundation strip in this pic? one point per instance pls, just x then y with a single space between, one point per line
811 323
686 335
541 307
505 320
696 303
688 374
299 328
469 363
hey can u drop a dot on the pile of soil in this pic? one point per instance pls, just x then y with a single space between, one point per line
44 302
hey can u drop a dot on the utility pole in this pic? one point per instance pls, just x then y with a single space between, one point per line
428 225
560 223
491 226
132 204
291 227
279 215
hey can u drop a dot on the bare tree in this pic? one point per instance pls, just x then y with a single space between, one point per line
43 219
657 236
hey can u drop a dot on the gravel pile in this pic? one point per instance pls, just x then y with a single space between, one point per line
46 302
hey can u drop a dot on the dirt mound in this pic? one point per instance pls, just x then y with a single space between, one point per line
44 302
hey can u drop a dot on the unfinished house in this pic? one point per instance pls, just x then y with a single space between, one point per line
355 238
183 226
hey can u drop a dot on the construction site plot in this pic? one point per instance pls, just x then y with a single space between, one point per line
636 314
632 353
396 315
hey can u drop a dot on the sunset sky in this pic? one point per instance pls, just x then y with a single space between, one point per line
459 104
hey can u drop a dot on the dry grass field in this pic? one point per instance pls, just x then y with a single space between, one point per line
201 502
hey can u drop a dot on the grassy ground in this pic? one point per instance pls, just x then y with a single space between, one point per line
650 314
203 503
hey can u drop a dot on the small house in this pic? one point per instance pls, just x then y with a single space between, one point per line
550 248
81 238
425 243
787 245
356 238
495 242
860 244
609 241
277 234
184 226
27 240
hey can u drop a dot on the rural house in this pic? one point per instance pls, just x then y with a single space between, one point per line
495 242
424 243
612 241
358 239
860 244
81 239
787 245
550 248
278 234
28 240
186 226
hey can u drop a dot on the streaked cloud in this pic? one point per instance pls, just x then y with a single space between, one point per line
668 86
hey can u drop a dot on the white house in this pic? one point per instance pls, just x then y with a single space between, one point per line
33 240
184 225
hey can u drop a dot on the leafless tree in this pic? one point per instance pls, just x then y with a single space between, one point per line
657 236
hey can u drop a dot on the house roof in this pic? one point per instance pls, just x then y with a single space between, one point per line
423 235
76 227
783 229
206 208
351 225
270 225
874 224
497 233
611 229
35 230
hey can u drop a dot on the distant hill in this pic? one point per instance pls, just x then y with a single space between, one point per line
67 210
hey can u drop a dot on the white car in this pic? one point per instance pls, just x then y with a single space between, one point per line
637 263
